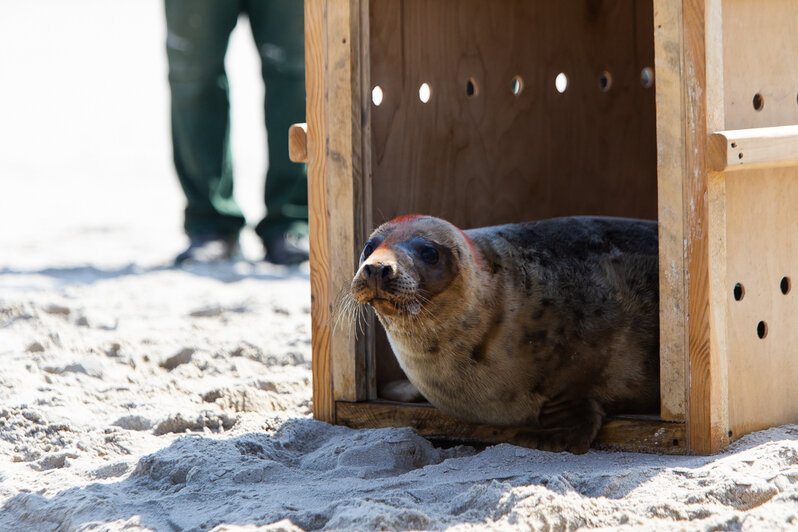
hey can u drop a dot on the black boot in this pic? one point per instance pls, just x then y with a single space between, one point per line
284 252
210 248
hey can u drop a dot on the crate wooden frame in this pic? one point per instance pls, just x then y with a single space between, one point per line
727 181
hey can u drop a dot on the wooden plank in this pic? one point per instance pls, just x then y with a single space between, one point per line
760 50
298 143
699 416
757 147
344 184
496 157
642 435
671 214
760 222
762 233
716 231
364 224
707 420
323 406
384 34
629 434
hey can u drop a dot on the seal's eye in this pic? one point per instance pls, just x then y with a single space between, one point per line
429 255
368 250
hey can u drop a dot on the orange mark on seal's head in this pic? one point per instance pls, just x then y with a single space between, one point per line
474 251
399 221
406 218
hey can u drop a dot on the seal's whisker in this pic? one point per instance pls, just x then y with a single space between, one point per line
347 311
427 313
426 321
422 299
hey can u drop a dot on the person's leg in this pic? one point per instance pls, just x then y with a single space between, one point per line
197 36
278 28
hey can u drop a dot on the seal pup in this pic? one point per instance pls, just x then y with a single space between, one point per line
549 325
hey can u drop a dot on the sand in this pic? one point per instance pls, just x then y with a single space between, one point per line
137 396
153 398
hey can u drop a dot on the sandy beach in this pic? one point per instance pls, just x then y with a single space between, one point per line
139 396
151 398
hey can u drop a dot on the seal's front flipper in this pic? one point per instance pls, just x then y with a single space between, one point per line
402 391
569 425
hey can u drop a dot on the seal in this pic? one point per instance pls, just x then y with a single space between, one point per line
550 325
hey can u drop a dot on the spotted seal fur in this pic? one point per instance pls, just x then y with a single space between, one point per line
549 325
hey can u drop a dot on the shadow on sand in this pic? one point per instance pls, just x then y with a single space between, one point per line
322 476
227 272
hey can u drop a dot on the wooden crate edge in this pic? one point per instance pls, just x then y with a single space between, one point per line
636 434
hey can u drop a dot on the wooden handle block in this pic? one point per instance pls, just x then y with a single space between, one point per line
746 148
298 143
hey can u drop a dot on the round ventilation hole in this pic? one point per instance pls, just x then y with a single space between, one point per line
424 92
376 95
647 77
605 81
561 82
739 292
517 85
762 329
471 87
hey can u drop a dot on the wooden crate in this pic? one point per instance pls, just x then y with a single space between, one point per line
676 110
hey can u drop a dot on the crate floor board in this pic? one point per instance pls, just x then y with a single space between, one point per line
633 433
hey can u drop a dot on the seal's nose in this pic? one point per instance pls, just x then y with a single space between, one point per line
378 274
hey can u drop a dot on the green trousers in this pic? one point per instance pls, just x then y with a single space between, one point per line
198 33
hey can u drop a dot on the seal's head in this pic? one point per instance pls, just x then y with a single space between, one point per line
411 263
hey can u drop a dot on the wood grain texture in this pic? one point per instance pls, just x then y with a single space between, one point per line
315 86
716 237
496 157
671 211
298 143
628 434
750 219
364 224
760 224
336 194
720 43
762 235
750 148
760 44
344 177
697 325
707 420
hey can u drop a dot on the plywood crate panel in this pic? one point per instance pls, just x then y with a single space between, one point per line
493 156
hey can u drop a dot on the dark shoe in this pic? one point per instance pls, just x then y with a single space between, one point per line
284 252
210 249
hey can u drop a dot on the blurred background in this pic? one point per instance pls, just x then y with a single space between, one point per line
85 153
